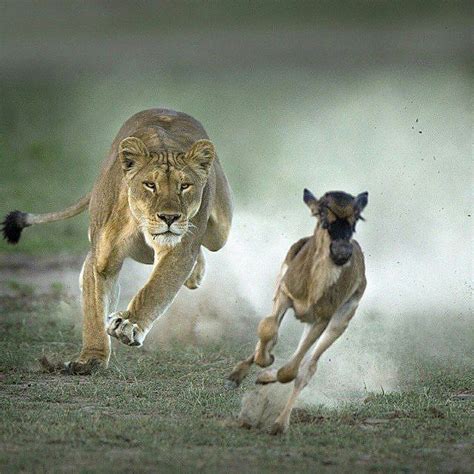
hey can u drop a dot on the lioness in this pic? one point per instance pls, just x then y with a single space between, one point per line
161 195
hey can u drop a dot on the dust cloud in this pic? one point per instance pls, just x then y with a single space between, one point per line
371 355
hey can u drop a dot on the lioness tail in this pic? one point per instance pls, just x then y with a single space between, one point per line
16 221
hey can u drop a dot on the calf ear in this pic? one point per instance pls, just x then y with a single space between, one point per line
200 156
361 201
133 154
311 201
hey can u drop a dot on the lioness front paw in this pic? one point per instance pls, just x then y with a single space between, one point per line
72 368
120 327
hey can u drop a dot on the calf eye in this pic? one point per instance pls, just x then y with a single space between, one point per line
184 186
149 185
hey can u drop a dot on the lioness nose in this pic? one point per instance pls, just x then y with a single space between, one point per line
169 218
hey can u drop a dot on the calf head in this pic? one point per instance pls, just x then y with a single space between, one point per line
337 213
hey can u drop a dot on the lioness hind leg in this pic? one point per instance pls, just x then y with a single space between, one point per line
220 220
197 275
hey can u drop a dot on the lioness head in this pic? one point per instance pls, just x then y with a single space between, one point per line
338 213
165 188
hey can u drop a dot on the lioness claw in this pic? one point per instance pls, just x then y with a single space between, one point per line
120 327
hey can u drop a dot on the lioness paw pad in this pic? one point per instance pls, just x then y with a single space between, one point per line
120 327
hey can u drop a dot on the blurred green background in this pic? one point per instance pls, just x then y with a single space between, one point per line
352 95
327 95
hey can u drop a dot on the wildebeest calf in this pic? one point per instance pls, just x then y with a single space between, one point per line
322 279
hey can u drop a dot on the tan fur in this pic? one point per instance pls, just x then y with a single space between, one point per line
167 149
316 295
323 295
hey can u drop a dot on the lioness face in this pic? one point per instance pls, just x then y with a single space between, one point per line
165 188
338 213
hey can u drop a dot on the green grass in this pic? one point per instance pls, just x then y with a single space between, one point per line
167 411
40 169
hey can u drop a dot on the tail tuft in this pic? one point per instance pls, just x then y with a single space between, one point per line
12 226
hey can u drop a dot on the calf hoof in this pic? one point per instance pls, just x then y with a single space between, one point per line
245 424
264 361
267 376
286 374
231 384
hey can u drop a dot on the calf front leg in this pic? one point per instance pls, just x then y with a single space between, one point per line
172 268
268 333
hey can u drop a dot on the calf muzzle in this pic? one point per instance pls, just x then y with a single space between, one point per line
340 251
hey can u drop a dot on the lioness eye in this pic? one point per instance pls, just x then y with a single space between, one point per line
149 185
184 186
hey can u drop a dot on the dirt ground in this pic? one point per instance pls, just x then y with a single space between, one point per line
195 316
165 409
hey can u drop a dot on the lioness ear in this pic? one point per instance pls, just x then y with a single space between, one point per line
311 201
201 155
133 153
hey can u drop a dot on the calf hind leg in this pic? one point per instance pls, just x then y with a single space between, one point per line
289 371
334 329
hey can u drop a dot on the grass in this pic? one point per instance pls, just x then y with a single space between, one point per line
167 411
34 149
